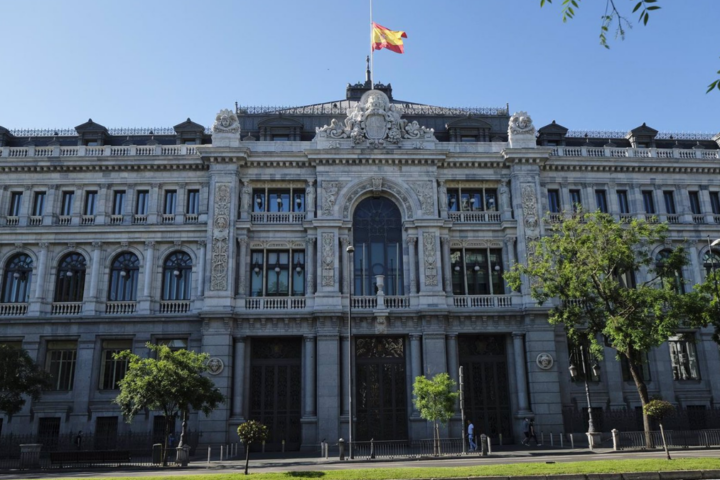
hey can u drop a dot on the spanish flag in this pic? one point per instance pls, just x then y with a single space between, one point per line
390 39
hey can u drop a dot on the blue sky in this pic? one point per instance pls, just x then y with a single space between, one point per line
156 62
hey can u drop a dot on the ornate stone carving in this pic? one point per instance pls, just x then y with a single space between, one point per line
226 122
431 276
521 124
374 122
442 195
529 204
544 361
426 195
310 196
245 197
366 185
504 195
221 234
215 366
328 259
377 184
330 193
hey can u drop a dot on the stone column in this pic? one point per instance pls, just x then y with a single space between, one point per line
309 374
415 363
328 391
42 267
50 208
82 385
310 266
95 272
510 249
201 269
521 374
242 267
310 196
239 379
180 206
154 203
412 259
101 207
144 305
446 267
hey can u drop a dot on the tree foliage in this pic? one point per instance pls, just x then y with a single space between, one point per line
171 383
435 400
19 376
588 263
659 409
251 432
613 17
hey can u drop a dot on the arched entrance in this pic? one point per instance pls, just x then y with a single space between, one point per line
377 237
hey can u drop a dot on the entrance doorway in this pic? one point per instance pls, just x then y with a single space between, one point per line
381 388
487 392
275 390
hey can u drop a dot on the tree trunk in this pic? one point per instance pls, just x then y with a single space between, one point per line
165 442
662 434
642 391
247 457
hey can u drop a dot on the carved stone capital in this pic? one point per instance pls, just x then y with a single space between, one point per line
150 243
415 337
412 240
97 244
43 245
202 243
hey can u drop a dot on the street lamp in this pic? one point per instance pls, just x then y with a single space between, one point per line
350 250
596 372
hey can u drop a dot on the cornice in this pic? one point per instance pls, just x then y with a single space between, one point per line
96 166
589 165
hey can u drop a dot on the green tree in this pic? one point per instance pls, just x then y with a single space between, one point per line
19 375
251 432
659 409
615 18
588 262
435 400
172 383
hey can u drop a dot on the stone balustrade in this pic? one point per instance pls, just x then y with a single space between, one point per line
482 301
174 306
475 217
616 152
92 151
278 217
120 308
66 308
275 303
13 309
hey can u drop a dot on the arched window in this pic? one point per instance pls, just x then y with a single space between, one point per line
177 276
70 278
675 276
16 282
377 237
711 261
124 278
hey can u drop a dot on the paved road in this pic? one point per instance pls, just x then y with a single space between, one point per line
267 465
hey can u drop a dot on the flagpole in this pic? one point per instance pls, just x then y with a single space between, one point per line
372 50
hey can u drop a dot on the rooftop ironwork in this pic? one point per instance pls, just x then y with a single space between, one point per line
622 134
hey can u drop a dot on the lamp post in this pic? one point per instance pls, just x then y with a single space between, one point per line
350 250
596 372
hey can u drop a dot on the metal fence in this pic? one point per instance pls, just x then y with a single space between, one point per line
410 449
674 439
94 450
631 420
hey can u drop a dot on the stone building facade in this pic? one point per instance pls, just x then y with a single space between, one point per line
233 241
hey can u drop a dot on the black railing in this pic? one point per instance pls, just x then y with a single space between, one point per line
631 420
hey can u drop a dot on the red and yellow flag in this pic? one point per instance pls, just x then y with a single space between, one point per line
390 39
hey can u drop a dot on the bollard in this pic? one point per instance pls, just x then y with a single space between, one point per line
372 449
552 440
263 446
209 448
500 438
484 445
221 453
542 438
489 446
615 432
327 450
341 446
562 445
283 446
322 448
572 441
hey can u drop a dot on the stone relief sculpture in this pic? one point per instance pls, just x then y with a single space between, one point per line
226 122
529 205
544 361
328 259
374 122
504 195
245 198
521 124
221 233
426 195
310 195
431 277
386 185
330 193
442 195
377 184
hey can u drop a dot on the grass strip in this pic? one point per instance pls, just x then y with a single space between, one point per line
480 470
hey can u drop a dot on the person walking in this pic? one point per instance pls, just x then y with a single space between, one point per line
529 431
471 436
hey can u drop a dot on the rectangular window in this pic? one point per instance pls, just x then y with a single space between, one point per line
644 369
60 363
623 201
118 202
277 273
298 200
601 201
68 198
170 202
575 200
174 344
477 272
669 198
38 204
90 201
684 357
15 204
141 205
193 202
111 370
491 204
554 201
648 202
695 203
715 202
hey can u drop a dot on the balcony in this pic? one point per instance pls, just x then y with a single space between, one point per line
35 221
120 308
168 218
93 151
13 309
191 218
615 152
482 301
65 220
277 217
87 220
139 219
12 221
475 217
392 302
116 219
275 303
171 307
66 308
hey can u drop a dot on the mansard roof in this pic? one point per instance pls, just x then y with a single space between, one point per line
553 128
90 127
188 126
